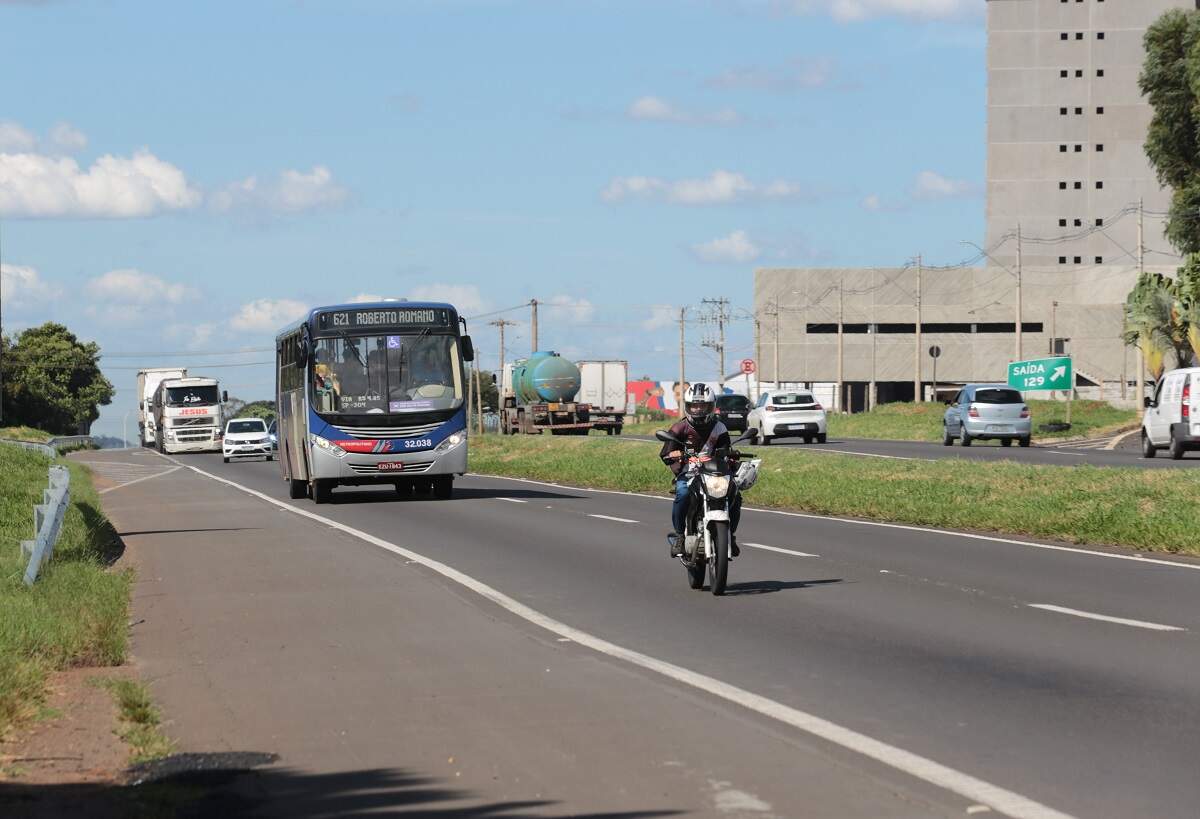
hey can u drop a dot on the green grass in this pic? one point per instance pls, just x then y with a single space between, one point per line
923 422
140 720
1148 509
77 611
25 434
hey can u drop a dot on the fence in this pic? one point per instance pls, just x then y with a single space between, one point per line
47 522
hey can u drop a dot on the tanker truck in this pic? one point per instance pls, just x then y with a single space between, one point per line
538 393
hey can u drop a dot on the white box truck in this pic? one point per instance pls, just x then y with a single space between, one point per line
187 413
147 387
604 386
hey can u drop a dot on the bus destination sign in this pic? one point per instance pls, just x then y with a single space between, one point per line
386 317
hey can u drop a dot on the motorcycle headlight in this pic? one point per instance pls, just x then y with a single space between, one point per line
452 440
716 486
329 446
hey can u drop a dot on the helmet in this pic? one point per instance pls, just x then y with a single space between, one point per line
699 404
747 473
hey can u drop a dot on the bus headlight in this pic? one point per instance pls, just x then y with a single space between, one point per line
716 486
452 440
329 446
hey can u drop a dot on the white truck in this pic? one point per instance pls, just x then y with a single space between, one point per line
187 413
147 387
604 385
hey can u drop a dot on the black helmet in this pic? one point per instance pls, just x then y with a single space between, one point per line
699 405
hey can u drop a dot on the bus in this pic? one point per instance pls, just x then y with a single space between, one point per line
373 393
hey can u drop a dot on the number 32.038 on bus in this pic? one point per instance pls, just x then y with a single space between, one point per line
373 393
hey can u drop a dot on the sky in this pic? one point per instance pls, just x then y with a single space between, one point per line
179 181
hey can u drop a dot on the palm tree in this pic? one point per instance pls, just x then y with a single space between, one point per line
1155 320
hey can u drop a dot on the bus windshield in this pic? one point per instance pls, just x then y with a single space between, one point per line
373 375
191 396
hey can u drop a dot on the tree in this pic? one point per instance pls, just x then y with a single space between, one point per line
52 381
1170 80
1156 321
258 409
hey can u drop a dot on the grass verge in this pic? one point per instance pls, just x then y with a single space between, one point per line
25 434
77 611
1148 509
140 719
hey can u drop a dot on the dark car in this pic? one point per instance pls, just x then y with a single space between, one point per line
732 410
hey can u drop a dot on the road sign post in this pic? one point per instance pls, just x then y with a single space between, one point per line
748 367
935 353
1055 373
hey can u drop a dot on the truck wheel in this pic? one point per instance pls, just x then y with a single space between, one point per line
322 490
297 489
617 430
1149 450
443 488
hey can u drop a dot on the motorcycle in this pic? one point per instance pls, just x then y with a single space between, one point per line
712 491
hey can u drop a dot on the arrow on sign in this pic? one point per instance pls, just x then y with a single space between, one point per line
1058 373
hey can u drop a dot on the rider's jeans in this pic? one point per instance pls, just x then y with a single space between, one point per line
679 509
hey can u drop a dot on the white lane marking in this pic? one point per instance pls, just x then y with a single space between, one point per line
1106 618
777 549
870 454
884 524
965 785
511 500
139 480
610 517
1116 441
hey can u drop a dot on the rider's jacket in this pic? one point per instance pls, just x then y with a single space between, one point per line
702 440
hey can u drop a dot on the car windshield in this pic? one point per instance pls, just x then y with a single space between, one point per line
733 402
788 399
191 396
236 427
997 395
374 375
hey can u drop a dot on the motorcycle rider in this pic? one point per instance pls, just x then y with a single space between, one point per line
704 433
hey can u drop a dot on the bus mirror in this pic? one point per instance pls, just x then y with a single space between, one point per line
225 397
493 378
468 349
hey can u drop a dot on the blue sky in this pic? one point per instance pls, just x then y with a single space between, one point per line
184 178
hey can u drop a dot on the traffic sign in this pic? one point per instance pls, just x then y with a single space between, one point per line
1042 374
748 365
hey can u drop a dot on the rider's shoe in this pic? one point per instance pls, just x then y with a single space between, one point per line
676 541
734 551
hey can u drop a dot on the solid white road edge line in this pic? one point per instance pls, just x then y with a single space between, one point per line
610 517
884 524
965 785
1106 618
777 549
511 500
139 480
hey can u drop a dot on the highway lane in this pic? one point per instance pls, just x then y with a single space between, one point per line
926 640
1126 455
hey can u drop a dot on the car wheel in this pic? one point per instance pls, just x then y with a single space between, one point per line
1024 442
1175 450
820 437
226 460
1006 441
766 440
270 458
947 438
964 437
1149 450
808 439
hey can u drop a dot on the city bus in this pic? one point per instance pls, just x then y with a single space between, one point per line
373 393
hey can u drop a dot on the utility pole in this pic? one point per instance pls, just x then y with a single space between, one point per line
720 317
501 323
917 328
775 357
1019 273
478 395
757 358
1139 394
841 384
533 303
682 371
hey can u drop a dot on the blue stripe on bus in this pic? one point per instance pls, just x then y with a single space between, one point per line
455 423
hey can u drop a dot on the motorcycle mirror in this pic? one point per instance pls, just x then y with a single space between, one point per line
750 435
665 437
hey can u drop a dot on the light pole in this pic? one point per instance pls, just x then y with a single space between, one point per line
125 429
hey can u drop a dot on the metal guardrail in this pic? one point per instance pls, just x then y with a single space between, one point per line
51 448
47 522
45 449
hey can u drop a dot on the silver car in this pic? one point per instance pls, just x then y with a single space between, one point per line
987 411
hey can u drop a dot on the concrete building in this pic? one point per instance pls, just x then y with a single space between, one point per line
1066 126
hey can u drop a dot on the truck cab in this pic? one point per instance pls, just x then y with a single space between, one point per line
187 414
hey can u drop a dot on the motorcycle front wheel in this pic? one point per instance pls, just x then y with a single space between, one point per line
695 573
718 564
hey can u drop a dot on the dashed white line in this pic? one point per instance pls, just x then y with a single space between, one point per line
511 500
778 549
869 454
610 517
1104 617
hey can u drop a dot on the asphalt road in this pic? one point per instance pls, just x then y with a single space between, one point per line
1127 453
1066 677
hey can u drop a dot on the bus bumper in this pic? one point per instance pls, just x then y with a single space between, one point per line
361 468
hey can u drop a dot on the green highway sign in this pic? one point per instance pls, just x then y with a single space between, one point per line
1041 374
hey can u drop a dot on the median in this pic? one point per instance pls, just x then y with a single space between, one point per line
1145 509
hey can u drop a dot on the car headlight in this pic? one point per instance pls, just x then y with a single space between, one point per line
452 440
717 486
329 446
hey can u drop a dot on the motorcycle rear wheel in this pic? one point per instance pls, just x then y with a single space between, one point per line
695 573
718 564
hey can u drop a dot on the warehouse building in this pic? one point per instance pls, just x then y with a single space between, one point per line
1073 212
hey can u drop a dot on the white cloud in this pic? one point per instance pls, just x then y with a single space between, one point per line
267 315
574 308
133 287
932 185
38 186
655 109
661 315
290 192
15 139
720 187
67 138
22 287
736 248
872 202
465 297
364 297
798 74
850 11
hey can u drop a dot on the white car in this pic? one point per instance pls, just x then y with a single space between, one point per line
1172 419
246 438
792 414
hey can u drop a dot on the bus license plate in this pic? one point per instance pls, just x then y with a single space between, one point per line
391 466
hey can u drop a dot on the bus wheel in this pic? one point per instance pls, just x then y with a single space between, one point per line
322 490
297 489
443 488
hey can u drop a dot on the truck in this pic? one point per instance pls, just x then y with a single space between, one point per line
540 393
603 385
147 387
188 415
